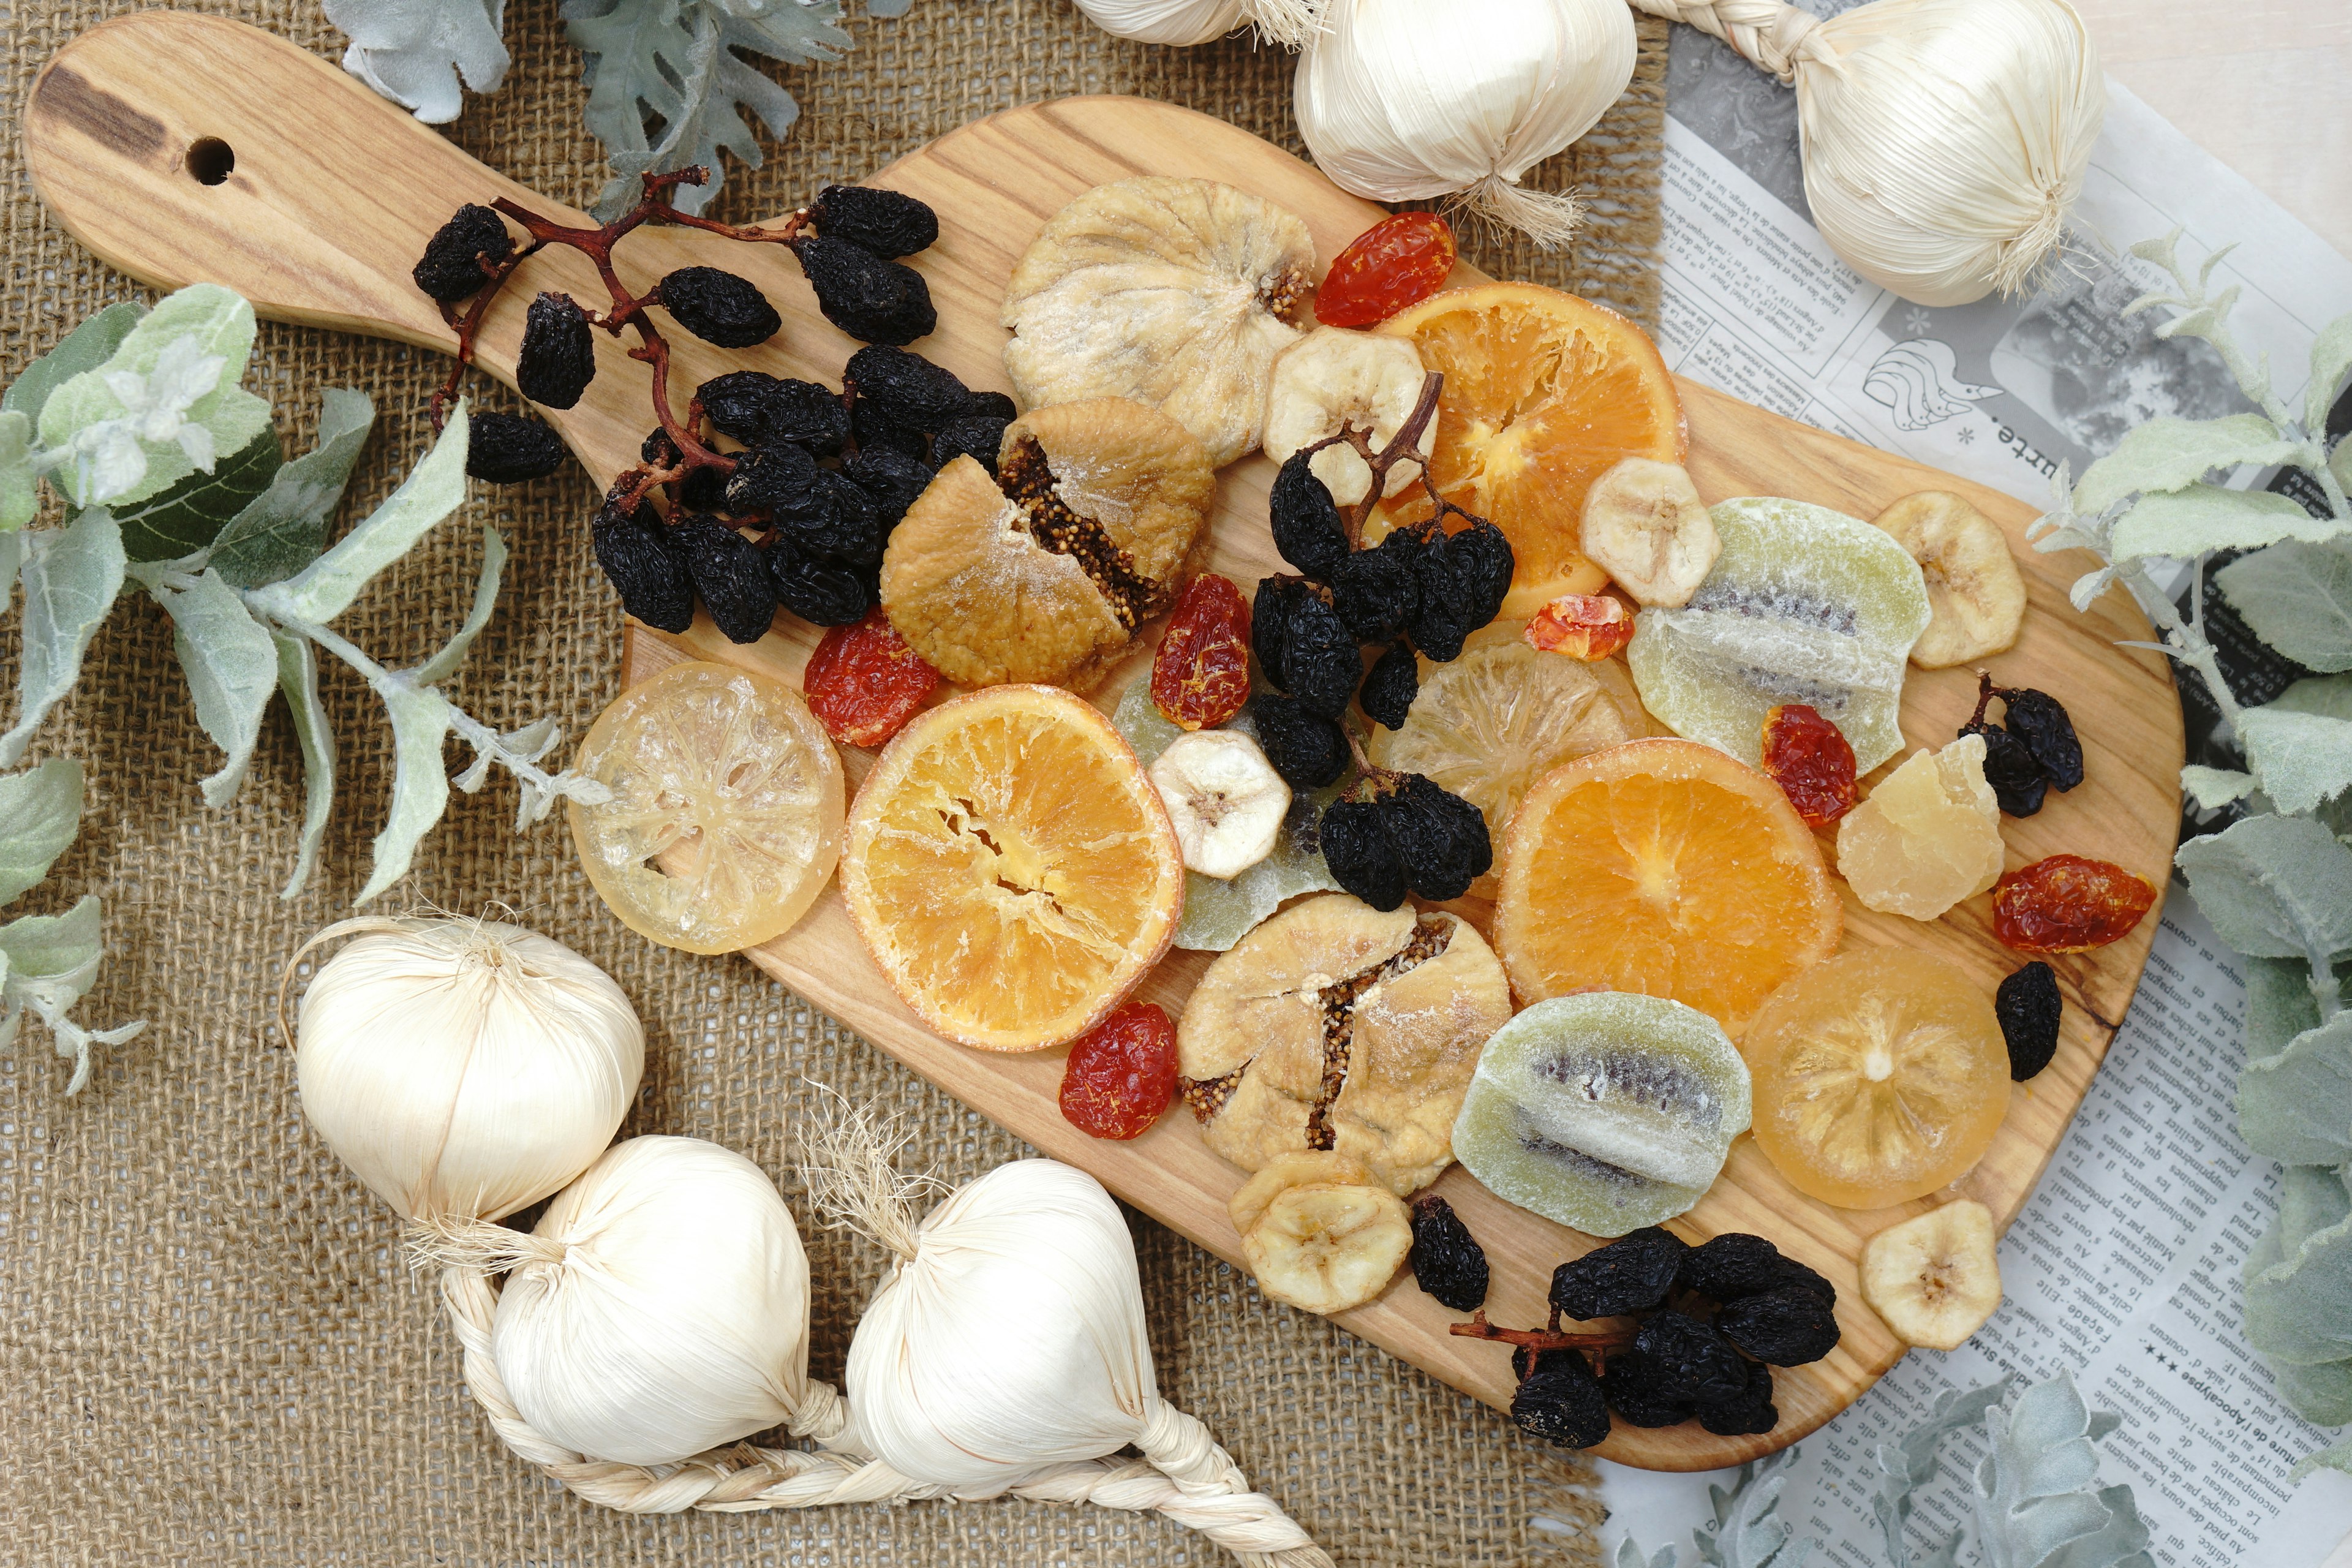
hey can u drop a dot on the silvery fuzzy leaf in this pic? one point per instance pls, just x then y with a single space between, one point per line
2299 1279
2089 586
415 51
2278 1003
297 678
40 812
71 576
2032 1506
2295 1104
2186 523
2331 357
2302 759
283 528
446 663
2336 1456
87 347
20 482
2215 787
232 669
2167 453
2298 598
420 782
1632 1556
1745 1533
325 588
2320 1393
1909 1464
12 556
2273 887
525 746
2339 463
2330 695
178 522
58 952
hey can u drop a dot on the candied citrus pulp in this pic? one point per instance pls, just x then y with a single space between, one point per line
725 819
1879 1077
1666 867
1011 867
1544 392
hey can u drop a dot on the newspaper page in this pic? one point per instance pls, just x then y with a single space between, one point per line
2124 1267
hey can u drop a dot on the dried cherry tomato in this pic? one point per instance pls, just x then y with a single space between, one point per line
1581 625
1199 676
1807 756
1121 1073
2067 903
1399 261
863 681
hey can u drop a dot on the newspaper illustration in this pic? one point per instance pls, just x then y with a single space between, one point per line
2124 1267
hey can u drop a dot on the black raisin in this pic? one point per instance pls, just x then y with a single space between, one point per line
1306 520
978 438
1363 857
738 404
874 300
1307 750
1735 1264
1691 1354
891 479
1787 1327
834 519
657 451
729 576
2019 781
559 351
507 448
1644 1390
874 432
1321 663
646 567
1441 838
1561 1402
905 388
719 306
1378 592
990 406
703 489
1751 1413
1464 577
806 414
2038 720
771 479
1631 1274
886 223
1389 691
822 593
1270 624
450 269
1448 1261
2029 1007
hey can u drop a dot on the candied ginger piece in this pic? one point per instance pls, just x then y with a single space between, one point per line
1928 836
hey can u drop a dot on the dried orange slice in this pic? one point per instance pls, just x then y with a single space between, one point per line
1544 392
1666 867
1011 869
725 818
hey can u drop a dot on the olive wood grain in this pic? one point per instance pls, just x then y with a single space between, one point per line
331 197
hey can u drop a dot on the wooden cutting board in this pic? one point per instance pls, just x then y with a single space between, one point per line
331 196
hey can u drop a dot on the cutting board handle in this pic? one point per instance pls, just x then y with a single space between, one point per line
183 147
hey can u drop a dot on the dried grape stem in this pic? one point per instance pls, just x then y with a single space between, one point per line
1478 1328
1381 460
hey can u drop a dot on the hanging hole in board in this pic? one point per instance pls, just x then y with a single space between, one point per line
211 160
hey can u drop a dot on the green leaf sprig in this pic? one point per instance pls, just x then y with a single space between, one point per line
48 963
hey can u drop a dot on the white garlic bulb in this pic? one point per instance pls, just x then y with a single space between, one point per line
1943 140
1285 21
1401 100
660 1308
464 1067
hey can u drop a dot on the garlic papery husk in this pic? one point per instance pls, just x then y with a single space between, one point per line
1401 100
659 1307
463 1066
1285 21
1943 141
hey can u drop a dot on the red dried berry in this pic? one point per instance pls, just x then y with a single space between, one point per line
863 681
1200 676
1399 261
2067 903
1585 626
1122 1074
1805 754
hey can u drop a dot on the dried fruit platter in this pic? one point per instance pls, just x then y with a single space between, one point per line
333 192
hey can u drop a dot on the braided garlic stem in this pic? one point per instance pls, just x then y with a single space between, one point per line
1766 33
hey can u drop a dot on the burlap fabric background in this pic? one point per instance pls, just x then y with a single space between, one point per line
213 1352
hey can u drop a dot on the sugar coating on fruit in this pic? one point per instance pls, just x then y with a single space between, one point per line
1606 1112
1804 605
1928 836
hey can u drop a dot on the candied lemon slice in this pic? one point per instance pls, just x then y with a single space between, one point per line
725 818
1011 867
1880 1076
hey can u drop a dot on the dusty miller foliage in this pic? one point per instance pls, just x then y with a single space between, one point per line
170 477
2035 1494
2277 884
670 82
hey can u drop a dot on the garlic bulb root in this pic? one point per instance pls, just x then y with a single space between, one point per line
1287 22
